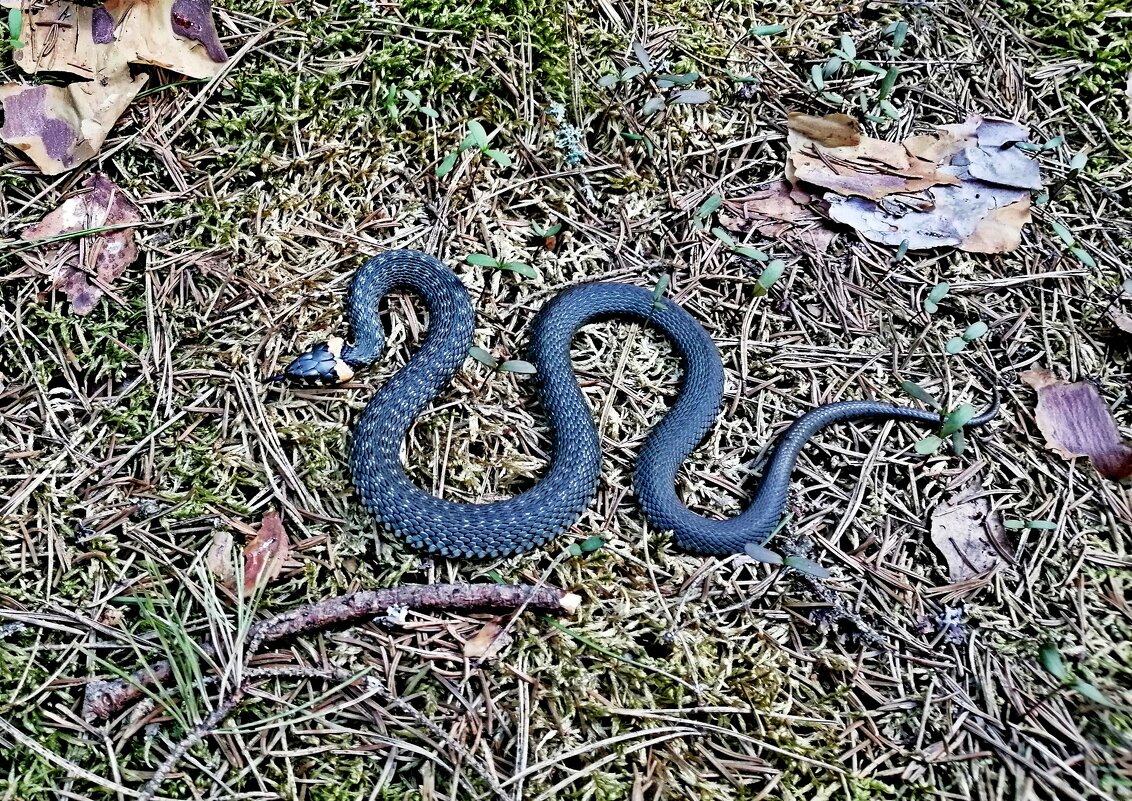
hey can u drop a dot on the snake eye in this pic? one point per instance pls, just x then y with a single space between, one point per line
322 364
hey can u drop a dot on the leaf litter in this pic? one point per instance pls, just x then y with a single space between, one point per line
265 552
964 185
969 534
83 267
779 212
1076 421
60 127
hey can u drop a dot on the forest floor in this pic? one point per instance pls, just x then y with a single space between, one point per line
130 436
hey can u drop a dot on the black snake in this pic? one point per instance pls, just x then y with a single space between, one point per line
531 518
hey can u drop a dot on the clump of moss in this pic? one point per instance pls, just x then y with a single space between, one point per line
1097 32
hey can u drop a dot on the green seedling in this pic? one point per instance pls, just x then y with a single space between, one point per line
1039 525
15 28
484 260
635 137
414 100
476 139
972 332
483 357
770 274
588 545
1071 244
706 210
512 366
673 79
951 425
546 233
899 32
768 30
1050 658
920 394
764 555
659 290
740 250
799 563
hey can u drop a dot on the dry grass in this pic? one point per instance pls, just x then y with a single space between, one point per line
128 436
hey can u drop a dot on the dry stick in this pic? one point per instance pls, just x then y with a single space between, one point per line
254 675
192 738
105 698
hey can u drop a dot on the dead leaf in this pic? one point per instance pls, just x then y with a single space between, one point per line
1121 320
218 560
104 255
832 130
779 212
976 218
963 186
59 127
872 168
100 42
1000 231
265 553
488 642
1076 421
969 535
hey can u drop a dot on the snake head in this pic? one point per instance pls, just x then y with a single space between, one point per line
322 364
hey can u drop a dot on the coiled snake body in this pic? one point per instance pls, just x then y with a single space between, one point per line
529 519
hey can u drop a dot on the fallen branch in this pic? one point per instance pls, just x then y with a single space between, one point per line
106 698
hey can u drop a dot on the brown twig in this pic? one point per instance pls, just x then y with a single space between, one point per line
253 676
106 698
198 733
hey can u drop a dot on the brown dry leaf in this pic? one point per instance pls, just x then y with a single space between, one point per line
779 212
100 42
832 130
971 538
265 553
1076 421
488 642
218 560
1000 231
872 169
104 255
965 186
60 127
1121 320
979 218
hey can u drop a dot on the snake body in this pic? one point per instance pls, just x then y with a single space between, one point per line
527 520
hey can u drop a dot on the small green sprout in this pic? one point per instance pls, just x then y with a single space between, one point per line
951 425
770 274
799 563
972 332
476 139
768 30
1038 525
588 545
484 260
512 366
659 290
1051 661
546 233
15 28
706 210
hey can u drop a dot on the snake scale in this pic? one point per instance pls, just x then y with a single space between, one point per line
552 505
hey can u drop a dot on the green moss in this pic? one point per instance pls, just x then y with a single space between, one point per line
1097 32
